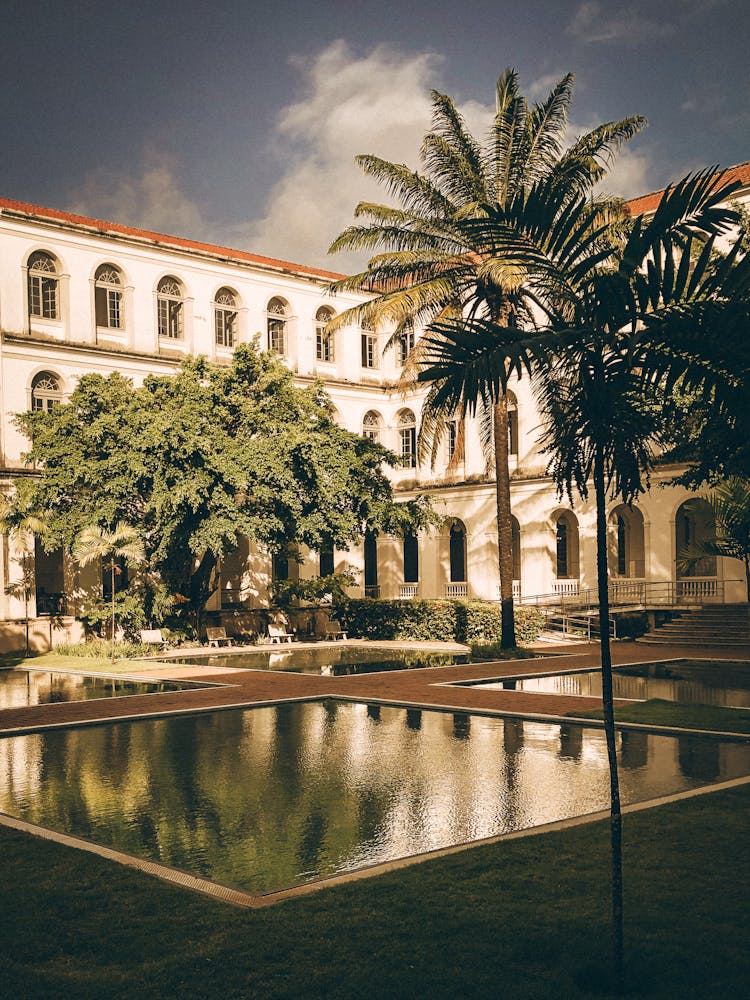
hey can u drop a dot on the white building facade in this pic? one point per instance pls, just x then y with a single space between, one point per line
79 295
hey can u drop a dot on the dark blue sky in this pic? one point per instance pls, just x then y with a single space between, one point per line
237 122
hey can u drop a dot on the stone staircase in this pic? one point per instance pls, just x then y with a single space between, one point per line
710 625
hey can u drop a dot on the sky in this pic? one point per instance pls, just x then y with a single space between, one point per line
238 122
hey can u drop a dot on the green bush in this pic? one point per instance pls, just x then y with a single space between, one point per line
95 649
445 621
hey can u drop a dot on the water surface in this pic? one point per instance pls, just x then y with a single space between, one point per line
20 687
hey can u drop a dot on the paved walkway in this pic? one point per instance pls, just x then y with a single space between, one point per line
424 687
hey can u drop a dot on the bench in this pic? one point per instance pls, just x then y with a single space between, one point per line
217 636
335 631
153 637
276 633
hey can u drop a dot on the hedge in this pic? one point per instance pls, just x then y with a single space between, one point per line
446 621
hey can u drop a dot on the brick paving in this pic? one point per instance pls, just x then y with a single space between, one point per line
423 687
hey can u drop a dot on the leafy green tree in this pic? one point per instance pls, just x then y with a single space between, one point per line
110 548
197 459
730 503
433 263
622 322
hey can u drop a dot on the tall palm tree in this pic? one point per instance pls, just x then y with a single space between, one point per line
436 260
618 331
96 543
730 503
23 527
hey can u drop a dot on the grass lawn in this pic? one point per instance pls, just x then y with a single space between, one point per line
518 920
671 713
82 664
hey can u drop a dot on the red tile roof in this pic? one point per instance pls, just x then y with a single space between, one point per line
55 216
648 202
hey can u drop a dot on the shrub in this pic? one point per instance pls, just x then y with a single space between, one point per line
95 649
462 621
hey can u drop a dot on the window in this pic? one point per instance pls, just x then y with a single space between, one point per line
451 432
371 425
225 318
407 433
404 347
276 322
44 286
325 347
170 311
566 547
369 349
371 564
561 541
108 297
45 391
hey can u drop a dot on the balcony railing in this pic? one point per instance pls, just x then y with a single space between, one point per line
516 590
566 588
453 590
408 591
372 590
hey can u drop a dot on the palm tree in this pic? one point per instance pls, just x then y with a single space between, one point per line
96 543
618 331
22 528
730 503
437 260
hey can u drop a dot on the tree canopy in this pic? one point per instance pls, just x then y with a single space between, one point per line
197 459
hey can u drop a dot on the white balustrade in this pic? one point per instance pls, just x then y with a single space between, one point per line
453 590
408 591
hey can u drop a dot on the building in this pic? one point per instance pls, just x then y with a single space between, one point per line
81 295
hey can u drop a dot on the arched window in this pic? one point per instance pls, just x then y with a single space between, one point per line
371 425
44 286
108 297
325 343
407 436
225 318
512 424
170 308
276 325
458 552
411 559
566 546
45 391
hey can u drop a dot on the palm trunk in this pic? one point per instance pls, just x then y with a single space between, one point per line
113 609
615 823
504 524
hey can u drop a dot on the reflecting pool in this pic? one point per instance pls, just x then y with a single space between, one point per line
691 682
330 660
265 798
20 688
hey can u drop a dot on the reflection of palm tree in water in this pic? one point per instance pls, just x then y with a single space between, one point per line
513 746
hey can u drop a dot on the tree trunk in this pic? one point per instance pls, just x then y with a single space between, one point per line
504 524
615 823
200 586
113 609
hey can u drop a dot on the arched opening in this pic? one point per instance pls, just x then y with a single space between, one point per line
371 564
512 425
515 534
566 546
170 308
457 553
49 580
411 559
626 543
695 523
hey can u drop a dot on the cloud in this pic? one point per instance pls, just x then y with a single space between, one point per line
151 199
640 21
377 103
